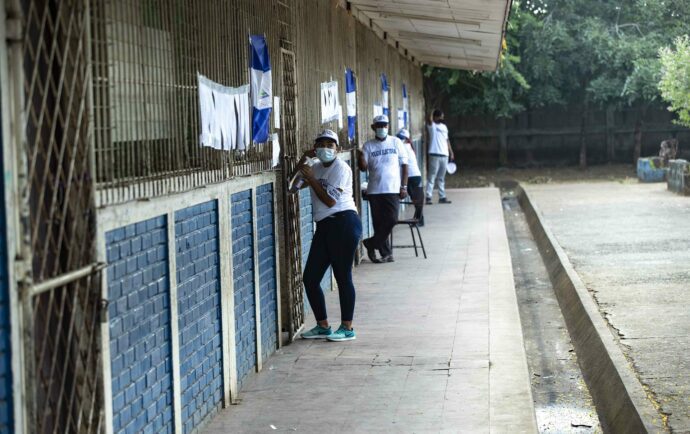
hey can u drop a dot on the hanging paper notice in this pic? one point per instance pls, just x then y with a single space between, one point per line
224 115
378 110
329 101
276 150
340 117
401 119
276 112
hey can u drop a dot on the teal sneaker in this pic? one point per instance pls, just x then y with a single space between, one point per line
317 332
342 334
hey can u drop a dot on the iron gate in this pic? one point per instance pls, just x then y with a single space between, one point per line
59 282
291 154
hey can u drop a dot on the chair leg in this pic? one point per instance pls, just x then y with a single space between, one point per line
414 242
420 241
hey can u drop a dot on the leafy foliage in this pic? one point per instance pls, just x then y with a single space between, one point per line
675 78
569 52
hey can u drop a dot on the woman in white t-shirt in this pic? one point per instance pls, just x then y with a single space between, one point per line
338 231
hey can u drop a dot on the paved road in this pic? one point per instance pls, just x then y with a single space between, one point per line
630 244
439 346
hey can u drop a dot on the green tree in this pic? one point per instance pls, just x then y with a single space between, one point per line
675 78
576 53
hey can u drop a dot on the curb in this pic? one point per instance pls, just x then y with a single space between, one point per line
619 397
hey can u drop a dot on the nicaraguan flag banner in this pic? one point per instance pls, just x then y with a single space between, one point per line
262 88
384 95
406 107
351 102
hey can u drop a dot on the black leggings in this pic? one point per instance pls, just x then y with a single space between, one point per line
384 213
335 242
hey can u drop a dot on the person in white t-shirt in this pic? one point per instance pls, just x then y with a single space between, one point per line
439 151
414 178
385 158
338 231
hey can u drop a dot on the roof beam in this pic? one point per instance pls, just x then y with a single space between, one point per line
416 36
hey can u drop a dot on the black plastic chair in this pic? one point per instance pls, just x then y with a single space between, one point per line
416 199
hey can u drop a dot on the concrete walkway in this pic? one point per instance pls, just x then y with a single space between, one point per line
439 343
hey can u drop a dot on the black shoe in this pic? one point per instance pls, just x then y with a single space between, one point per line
444 200
388 258
428 201
371 252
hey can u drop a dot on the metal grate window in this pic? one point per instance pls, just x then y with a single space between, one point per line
146 56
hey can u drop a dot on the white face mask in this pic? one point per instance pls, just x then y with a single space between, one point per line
326 155
382 133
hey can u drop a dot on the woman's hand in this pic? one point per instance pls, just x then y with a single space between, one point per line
307 173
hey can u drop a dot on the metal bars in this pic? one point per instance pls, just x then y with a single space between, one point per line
60 339
293 243
146 56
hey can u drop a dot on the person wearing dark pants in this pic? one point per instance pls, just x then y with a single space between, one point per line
338 231
334 244
414 178
384 212
385 158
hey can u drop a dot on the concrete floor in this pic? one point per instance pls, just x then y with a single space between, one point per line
629 244
439 343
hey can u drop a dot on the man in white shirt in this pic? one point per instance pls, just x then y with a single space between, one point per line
439 151
385 158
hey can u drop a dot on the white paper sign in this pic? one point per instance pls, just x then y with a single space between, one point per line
276 112
340 117
329 101
276 150
401 118
351 101
378 110
225 115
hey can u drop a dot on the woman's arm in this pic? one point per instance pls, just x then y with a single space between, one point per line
316 186
302 162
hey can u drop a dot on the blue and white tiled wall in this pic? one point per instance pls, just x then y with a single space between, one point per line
140 315
243 283
199 312
267 269
139 322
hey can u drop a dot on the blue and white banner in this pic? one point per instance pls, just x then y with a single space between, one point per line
384 95
351 102
262 88
406 107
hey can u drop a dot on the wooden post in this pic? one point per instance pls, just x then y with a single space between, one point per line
583 140
503 143
610 139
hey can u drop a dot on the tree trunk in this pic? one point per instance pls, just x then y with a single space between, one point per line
503 143
610 139
637 140
583 140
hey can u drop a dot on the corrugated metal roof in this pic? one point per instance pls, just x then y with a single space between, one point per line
460 34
